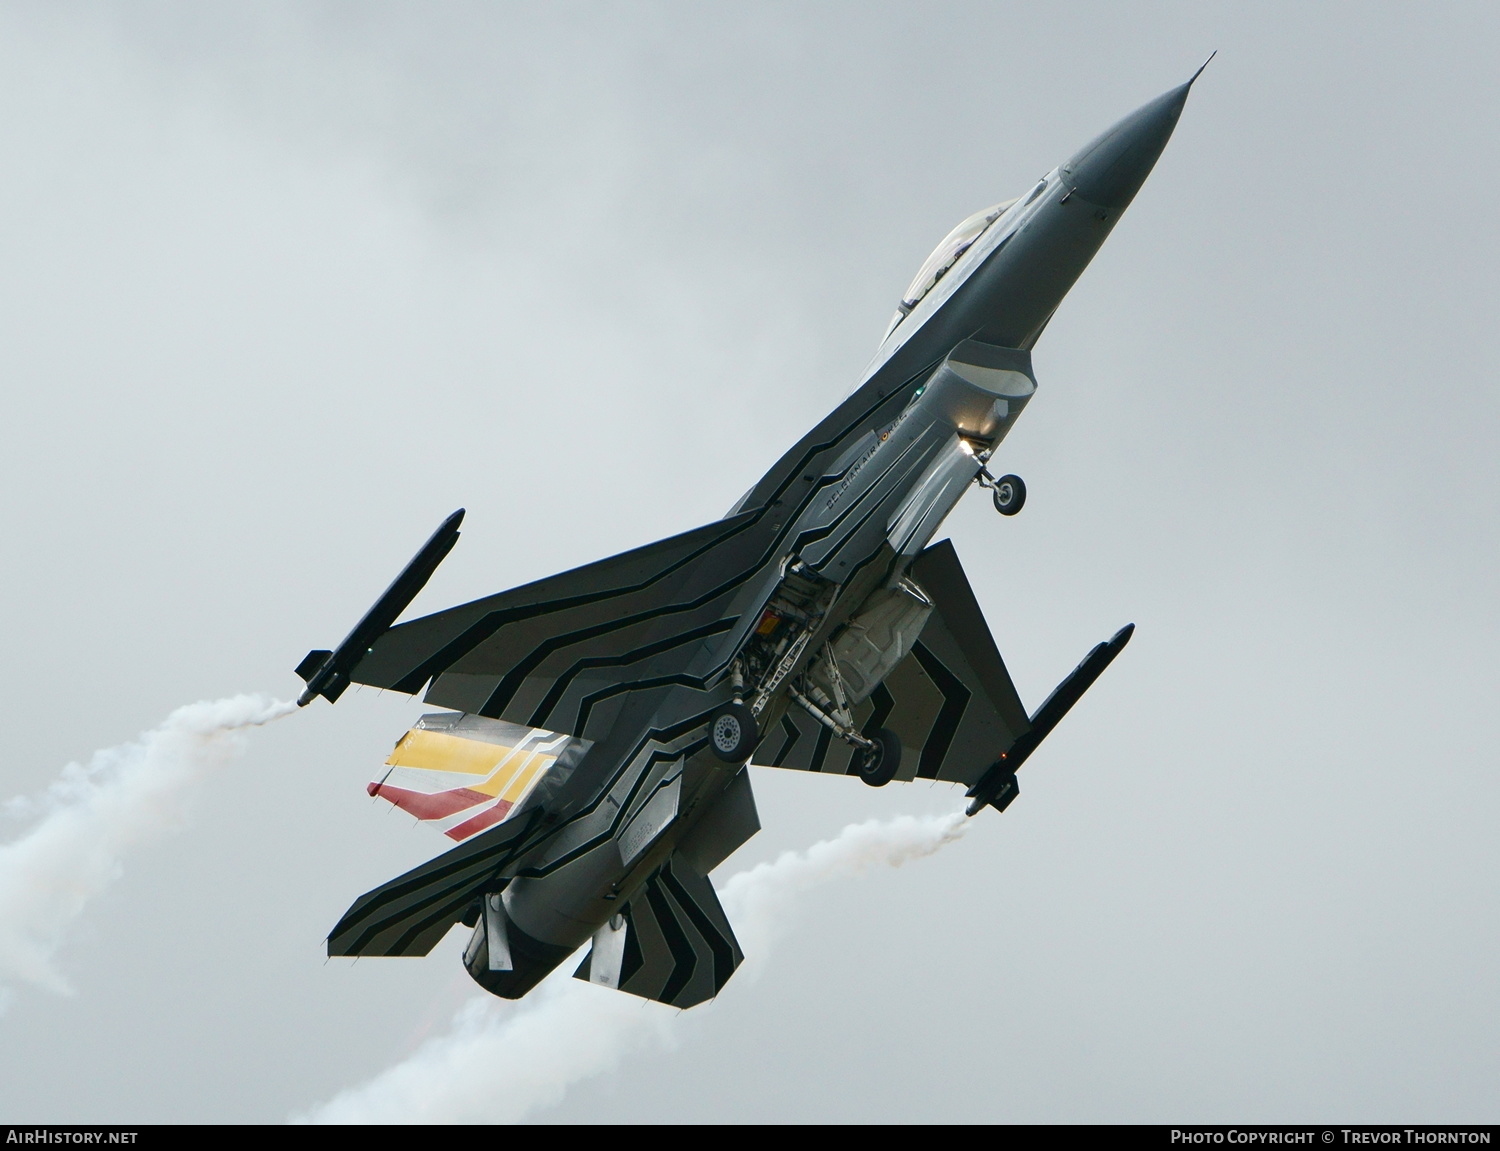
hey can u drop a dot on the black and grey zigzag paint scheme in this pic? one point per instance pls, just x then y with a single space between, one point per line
589 760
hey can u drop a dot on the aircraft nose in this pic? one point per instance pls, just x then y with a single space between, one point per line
1111 169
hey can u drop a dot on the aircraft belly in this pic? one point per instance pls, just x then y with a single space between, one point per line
935 495
565 907
907 485
841 545
745 608
650 820
575 895
885 467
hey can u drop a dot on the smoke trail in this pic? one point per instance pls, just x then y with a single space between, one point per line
500 1063
757 901
92 813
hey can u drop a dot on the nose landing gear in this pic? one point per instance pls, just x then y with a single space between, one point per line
1008 492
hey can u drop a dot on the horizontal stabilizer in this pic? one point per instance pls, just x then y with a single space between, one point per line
677 946
408 915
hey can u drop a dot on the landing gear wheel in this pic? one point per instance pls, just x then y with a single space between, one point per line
1010 495
732 733
878 765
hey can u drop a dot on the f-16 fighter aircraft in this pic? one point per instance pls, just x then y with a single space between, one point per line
590 762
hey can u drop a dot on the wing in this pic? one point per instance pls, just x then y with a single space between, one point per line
558 653
950 699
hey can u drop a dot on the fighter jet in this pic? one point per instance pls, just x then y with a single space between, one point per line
590 760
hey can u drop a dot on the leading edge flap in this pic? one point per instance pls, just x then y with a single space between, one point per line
672 942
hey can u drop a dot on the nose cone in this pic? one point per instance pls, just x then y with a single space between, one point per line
1111 169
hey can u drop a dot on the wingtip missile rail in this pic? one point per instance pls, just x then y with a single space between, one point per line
998 786
326 673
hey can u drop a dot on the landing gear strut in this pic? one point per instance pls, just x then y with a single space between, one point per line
877 756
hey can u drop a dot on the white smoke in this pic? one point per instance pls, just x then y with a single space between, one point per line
87 819
498 1063
757 901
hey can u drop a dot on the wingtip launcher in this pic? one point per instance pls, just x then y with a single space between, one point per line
998 786
326 673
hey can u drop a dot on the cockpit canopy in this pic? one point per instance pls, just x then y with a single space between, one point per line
946 254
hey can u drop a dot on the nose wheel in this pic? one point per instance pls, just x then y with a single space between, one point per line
1008 492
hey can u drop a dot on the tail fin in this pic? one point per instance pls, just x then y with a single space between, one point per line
464 774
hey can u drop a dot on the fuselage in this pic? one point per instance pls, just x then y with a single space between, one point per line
836 521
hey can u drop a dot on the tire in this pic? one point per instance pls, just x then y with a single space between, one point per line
1010 495
879 766
732 733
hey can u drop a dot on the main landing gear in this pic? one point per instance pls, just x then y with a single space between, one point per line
877 765
733 732
765 668
877 755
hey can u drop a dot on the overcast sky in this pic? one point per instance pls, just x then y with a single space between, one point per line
281 285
